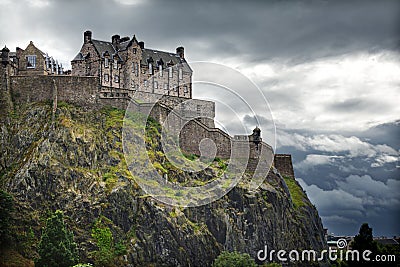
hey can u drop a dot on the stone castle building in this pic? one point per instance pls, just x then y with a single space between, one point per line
124 73
126 63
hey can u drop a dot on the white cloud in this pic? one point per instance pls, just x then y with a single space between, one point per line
371 191
314 160
129 2
348 92
333 201
349 147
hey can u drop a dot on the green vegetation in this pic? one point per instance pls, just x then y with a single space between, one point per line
234 259
56 246
107 250
296 192
6 207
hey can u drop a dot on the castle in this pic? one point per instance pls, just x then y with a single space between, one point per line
120 73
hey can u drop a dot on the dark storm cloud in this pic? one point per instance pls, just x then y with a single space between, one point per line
255 30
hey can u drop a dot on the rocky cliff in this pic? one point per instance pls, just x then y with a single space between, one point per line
73 161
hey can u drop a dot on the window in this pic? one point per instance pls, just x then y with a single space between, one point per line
115 64
176 88
134 50
116 78
170 72
31 62
185 89
135 68
133 84
155 84
150 68
145 83
106 78
106 63
160 70
180 74
165 86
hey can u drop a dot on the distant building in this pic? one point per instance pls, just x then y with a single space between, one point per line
125 63
31 61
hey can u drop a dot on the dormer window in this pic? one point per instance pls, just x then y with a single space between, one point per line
180 74
115 64
105 62
31 62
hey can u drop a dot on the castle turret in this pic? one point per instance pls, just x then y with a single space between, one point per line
115 39
180 51
5 55
141 44
87 37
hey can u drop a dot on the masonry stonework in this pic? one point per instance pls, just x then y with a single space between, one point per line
124 73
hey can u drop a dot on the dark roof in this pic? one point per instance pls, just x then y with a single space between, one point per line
103 46
78 57
166 57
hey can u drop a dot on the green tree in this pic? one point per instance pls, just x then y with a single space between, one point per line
6 207
234 259
364 241
56 246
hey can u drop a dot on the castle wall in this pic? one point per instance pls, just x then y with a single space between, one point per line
283 162
74 89
86 92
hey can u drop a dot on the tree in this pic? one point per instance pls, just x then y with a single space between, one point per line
364 240
56 246
234 259
6 207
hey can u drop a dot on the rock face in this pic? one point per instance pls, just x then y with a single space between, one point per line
73 161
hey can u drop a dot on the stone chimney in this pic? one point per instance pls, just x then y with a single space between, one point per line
5 55
87 37
180 51
141 44
115 39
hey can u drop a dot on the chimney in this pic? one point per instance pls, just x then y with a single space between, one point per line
115 39
180 51
4 54
87 37
141 44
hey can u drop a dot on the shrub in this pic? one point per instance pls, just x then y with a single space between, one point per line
234 259
56 246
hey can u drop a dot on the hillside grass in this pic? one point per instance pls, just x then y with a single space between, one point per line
297 194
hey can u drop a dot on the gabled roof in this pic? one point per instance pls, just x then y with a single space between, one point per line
166 57
102 47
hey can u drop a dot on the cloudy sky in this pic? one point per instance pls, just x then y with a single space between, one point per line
329 70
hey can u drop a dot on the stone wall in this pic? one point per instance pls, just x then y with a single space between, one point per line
77 90
186 120
283 162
